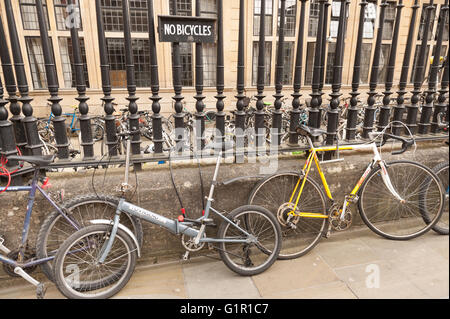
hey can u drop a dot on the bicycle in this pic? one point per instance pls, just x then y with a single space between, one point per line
306 214
67 217
106 247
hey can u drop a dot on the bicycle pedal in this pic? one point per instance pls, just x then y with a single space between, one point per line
186 256
40 291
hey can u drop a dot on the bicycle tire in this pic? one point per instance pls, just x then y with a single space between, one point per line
442 226
271 252
94 233
274 184
47 230
412 210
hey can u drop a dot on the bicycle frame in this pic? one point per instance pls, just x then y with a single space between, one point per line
32 190
314 158
174 226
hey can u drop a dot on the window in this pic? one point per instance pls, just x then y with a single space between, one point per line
384 61
423 18
365 62
62 12
184 8
66 50
331 57
416 58
208 8
288 62
113 17
267 62
141 55
291 15
29 14
389 21
334 24
268 17
313 18
369 20
37 63
311 47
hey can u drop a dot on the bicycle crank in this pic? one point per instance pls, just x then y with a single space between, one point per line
337 222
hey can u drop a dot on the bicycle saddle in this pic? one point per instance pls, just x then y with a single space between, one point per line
310 131
38 161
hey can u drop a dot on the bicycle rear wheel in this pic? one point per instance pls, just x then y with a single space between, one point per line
401 220
301 234
250 258
76 264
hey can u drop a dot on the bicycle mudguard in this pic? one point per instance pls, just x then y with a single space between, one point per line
122 227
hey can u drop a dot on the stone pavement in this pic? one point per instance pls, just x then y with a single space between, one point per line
351 265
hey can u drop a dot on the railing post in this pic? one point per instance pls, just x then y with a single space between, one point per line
199 97
427 109
154 74
133 118
59 124
333 112
85 120
314 112
385 111
220 105
413 109
296 104
369 117
352 117
178 88
440 106
110 120
323 51
259 113
276 114
240 105
399 108
8 141
27 129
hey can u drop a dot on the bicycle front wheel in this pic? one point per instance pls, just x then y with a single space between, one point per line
414 215
260 228
81 210
77 265
300 234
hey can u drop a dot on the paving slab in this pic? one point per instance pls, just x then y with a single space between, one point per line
206 279
332 290
156 282
290 275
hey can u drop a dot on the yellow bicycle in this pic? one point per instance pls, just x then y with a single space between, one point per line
390 196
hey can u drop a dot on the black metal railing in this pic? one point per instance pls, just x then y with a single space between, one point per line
425 111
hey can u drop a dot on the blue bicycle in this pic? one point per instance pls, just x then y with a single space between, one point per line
67 218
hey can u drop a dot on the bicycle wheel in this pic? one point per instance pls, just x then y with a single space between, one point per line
76 263
56 229
442 173
251 258
407 219
300 235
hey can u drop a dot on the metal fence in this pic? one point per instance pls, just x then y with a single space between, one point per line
423 113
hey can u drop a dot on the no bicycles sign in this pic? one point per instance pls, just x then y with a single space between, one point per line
187 29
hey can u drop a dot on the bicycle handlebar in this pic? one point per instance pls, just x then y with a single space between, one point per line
405 143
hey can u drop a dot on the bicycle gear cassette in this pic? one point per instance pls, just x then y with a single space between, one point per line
189 243
339 222
283 216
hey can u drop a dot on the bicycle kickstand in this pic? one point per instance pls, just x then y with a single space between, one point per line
40 288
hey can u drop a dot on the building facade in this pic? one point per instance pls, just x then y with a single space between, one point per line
56 15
